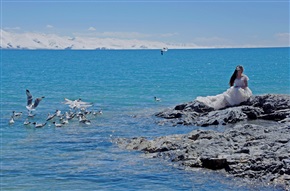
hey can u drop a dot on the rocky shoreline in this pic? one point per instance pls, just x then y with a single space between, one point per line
269 107
250 151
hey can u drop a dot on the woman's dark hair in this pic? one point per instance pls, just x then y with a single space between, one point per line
232 80
233 77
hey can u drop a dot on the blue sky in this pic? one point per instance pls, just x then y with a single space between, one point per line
205 23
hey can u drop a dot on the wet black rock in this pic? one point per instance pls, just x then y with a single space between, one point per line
254 152
245 151
269 107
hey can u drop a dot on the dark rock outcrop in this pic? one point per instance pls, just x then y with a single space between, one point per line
252 152
269 107
259 152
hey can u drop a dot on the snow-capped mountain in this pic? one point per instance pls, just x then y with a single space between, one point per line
11 40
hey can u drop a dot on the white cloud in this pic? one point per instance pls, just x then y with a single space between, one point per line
91 29
49 26
283 36
12 28
283 39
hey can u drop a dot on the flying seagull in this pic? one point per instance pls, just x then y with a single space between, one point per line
30 106
77 104
50 116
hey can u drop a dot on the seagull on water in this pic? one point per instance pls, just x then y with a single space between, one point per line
30 114
31 106
63 120
58 113
11 121
26 122
100 112
157 99
16 114
57 124
84 120
38 125
69 116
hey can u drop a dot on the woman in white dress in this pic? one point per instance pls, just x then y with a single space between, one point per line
236 94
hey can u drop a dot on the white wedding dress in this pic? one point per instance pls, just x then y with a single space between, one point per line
233 96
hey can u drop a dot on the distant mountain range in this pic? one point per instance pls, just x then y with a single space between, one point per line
11 40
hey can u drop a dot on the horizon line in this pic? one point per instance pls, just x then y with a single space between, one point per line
119 49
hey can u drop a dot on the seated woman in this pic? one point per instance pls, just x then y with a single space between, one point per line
236 94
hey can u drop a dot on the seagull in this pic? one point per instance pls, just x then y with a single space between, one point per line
157 99
58 113
63 120
84 120
11 121
85 112
26 122
69 116
16 114
100 112
77 104
31 106
79 101
57 124
38 125
30 114
50 116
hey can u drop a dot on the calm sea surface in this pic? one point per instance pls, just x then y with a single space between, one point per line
123 84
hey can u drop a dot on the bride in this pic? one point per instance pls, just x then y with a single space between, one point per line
236 94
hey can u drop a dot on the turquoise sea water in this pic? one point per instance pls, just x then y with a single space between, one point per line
123 84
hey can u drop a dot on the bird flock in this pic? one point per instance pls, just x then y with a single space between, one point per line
78 111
